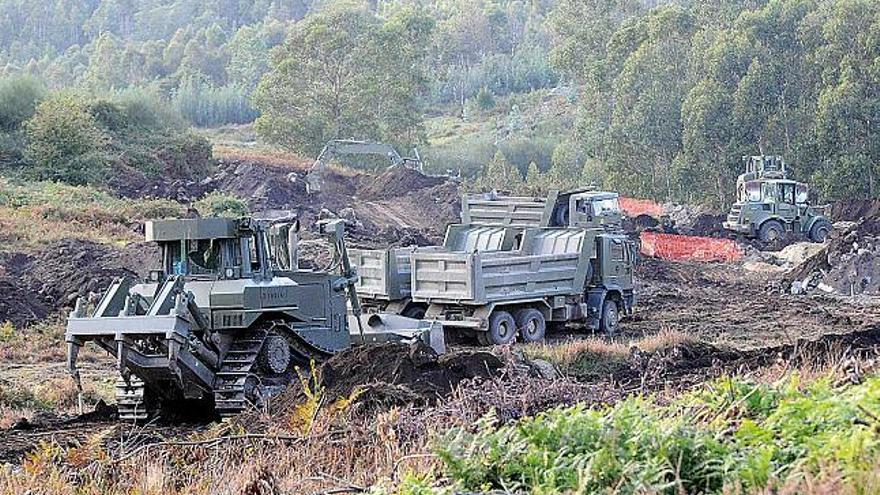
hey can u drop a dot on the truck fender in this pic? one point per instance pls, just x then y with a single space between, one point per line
815 219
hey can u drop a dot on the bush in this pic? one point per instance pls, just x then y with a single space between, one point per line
218 204
65 142
485 99
19 97
732 435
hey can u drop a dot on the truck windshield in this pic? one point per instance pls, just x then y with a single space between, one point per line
605 206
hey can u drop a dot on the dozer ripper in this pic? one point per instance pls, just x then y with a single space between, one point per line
228 316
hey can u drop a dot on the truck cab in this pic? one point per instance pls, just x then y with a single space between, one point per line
595 210
770 204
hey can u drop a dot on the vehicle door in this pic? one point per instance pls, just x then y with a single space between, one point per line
786 206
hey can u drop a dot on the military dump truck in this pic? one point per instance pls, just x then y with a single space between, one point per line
514 266
227 316
769 204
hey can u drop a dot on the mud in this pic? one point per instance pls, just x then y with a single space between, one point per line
854 210
725 305
395 182
683 365
425 376
17 306
49 281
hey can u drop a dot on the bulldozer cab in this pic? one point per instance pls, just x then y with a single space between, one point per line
221 248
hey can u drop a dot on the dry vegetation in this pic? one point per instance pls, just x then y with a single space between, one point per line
33 214
307 443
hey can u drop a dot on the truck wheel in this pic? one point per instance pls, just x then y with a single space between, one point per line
415 312
770 231
502 328
819 231
610 318
531 325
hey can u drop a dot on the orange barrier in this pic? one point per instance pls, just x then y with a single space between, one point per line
689 248
634 207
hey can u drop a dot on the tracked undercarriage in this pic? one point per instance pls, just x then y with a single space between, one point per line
227 318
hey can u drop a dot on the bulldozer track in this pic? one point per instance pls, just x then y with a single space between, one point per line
235 368
130 400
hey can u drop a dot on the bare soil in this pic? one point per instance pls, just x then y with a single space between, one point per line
723 304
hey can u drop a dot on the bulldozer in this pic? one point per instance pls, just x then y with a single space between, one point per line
770 205
228 317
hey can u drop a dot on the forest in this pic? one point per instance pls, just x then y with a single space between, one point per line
659 99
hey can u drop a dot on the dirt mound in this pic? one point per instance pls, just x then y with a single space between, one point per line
71 268
263 186
849 264
708 225
395 182
854 210
412 372
640 222
17 306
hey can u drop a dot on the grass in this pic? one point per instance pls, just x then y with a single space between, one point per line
596 357
732 435
33 376
267 155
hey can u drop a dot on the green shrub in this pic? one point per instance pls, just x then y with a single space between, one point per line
731 434
65 142
218 204
485 99
19 97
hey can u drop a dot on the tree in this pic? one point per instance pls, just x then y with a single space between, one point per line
849 104
19 96
500 175
64 142
534 183
345 74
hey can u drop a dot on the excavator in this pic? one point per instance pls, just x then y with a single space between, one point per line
341 147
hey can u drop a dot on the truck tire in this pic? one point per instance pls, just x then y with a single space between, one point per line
819 231
771 230
502 328
610 318
531 325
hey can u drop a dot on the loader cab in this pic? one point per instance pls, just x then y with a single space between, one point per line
786 198
211 249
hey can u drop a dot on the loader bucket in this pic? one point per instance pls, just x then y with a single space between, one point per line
689 248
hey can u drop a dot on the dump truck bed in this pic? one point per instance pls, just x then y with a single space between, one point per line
552 262
382 273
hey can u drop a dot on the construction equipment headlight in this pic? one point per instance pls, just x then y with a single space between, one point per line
230 273
155 275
